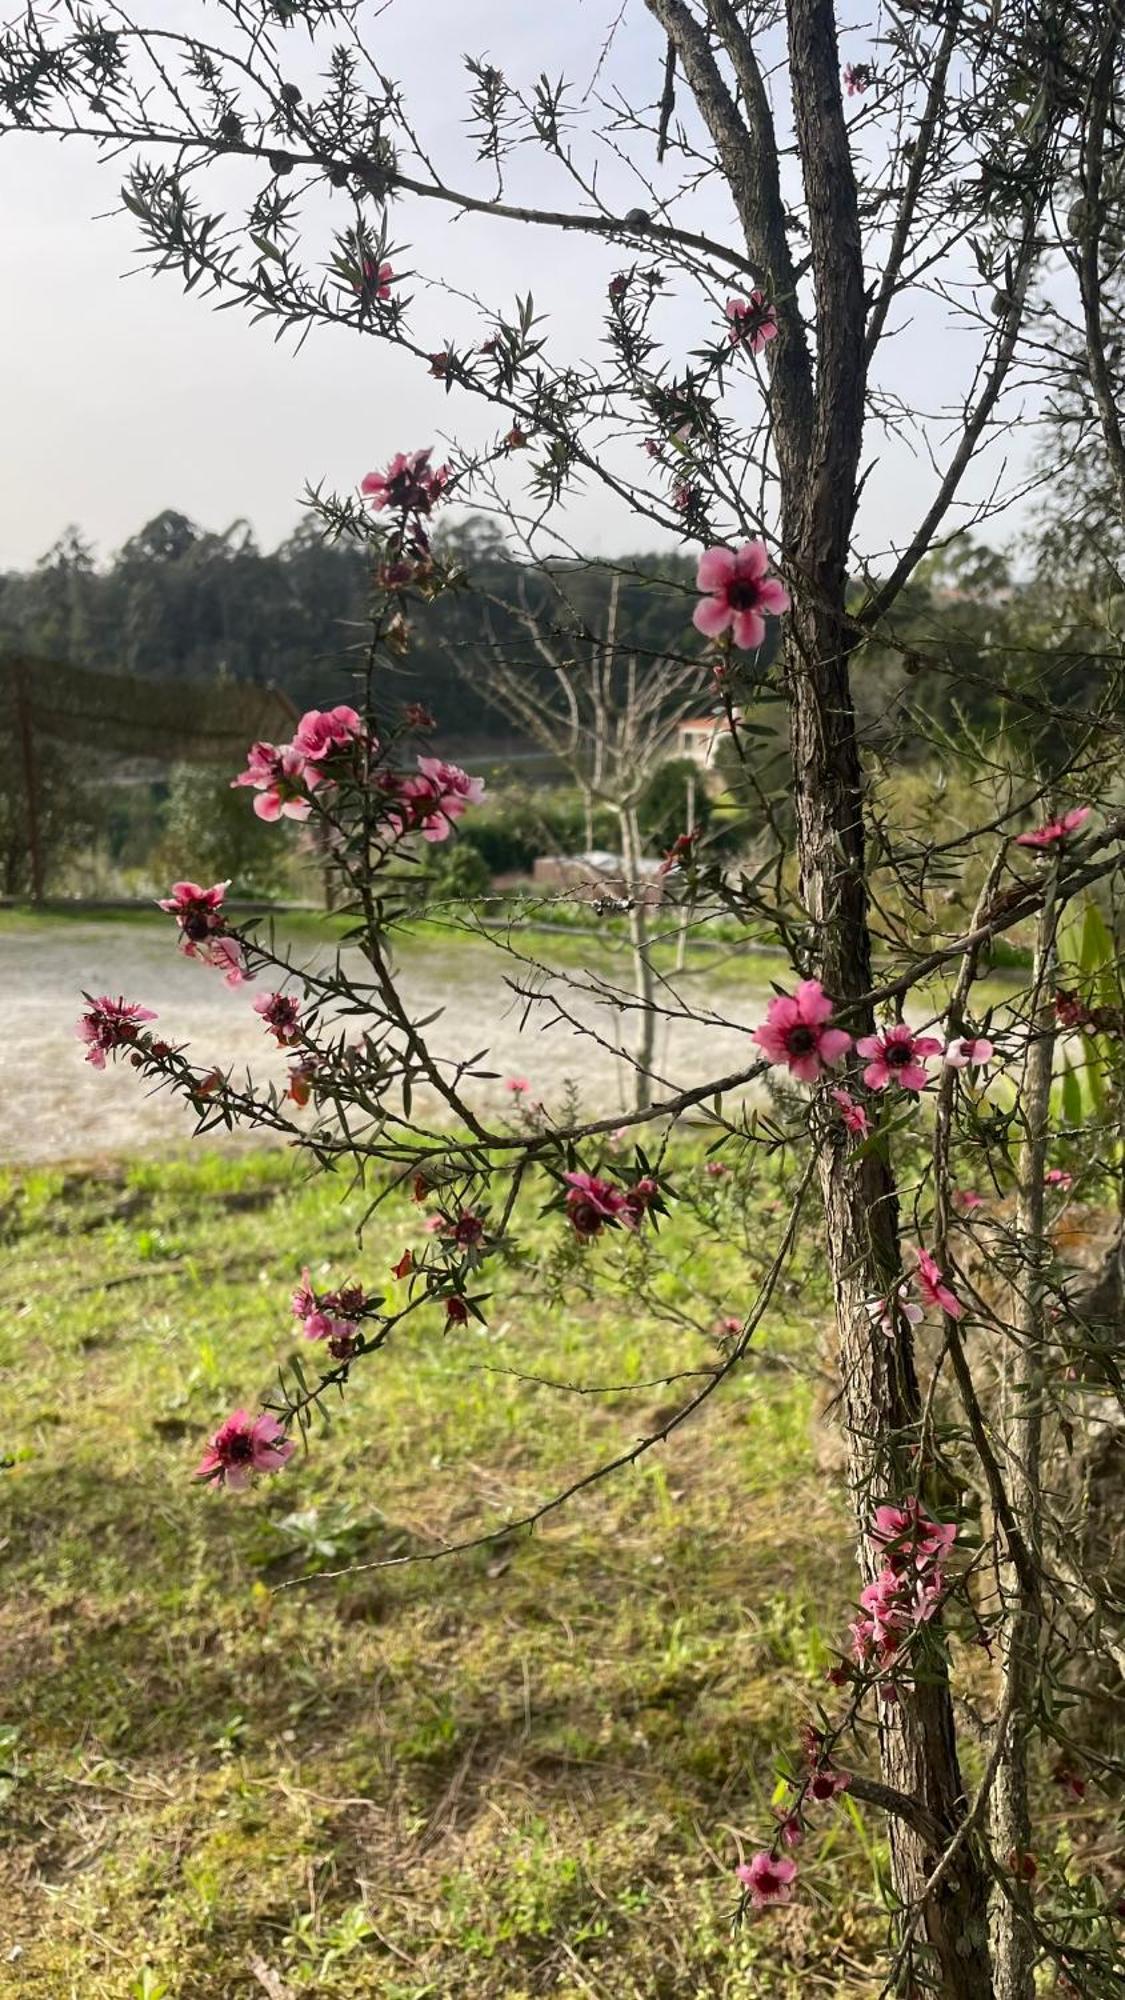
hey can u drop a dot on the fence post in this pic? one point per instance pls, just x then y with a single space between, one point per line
30 775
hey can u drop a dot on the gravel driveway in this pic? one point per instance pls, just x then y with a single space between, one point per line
56 1107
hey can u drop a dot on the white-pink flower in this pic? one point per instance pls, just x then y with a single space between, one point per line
439 795
753 322
969 1052
796 1032
282 778
739 592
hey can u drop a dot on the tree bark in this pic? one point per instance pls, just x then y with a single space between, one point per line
880 1397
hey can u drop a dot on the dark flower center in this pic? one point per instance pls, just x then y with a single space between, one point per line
742 593
898 1054
238 1449
800 1040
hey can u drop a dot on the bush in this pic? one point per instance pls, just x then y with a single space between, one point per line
209 834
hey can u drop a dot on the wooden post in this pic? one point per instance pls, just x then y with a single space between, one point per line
30 775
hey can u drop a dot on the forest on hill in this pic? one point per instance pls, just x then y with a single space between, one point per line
183 603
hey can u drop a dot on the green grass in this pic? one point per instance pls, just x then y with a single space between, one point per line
523 1771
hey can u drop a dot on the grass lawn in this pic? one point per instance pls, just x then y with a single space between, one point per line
523 1771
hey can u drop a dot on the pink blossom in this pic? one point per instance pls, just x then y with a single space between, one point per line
827 1783
768 1880
796 1032
518 1085
108 1025
717 1169
897 1055
637 1201
910 1539
1055 830
967 1199
591 1203
408 484
852 1113
932 1285
227 955
281 777
753 322
456 1311
377 278
303 1301
900 1306
969 1052
199 917
738 592
242 1445
320 731
857 76
440 794
282 1016
1058 1177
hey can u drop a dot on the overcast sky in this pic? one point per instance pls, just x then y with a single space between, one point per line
121 395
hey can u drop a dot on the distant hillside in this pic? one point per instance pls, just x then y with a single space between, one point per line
178 603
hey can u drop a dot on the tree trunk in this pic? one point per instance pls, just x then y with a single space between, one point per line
819 480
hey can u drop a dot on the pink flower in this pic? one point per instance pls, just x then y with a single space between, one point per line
518 1085
966 1199
932 1285
638 1199
1055 830
738 592
753 322
910 1539
198 912
857 76
827 1783
227 955
281 1014
767 1880
303 1301
408 484
852 1113
242 1445
969 1052
108 1025
377 279
897 1055
900 1306
281 780
591 1203
1057 1177
441 794
796 1032
320 731
716 1169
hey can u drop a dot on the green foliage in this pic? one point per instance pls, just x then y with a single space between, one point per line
210 833
674 799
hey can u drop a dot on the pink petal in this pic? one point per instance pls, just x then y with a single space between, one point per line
749 630
806 1069
813 1004
752 560
773 596
716 567
711 616
267 805
834 1043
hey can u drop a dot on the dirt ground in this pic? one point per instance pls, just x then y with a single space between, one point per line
56 1107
